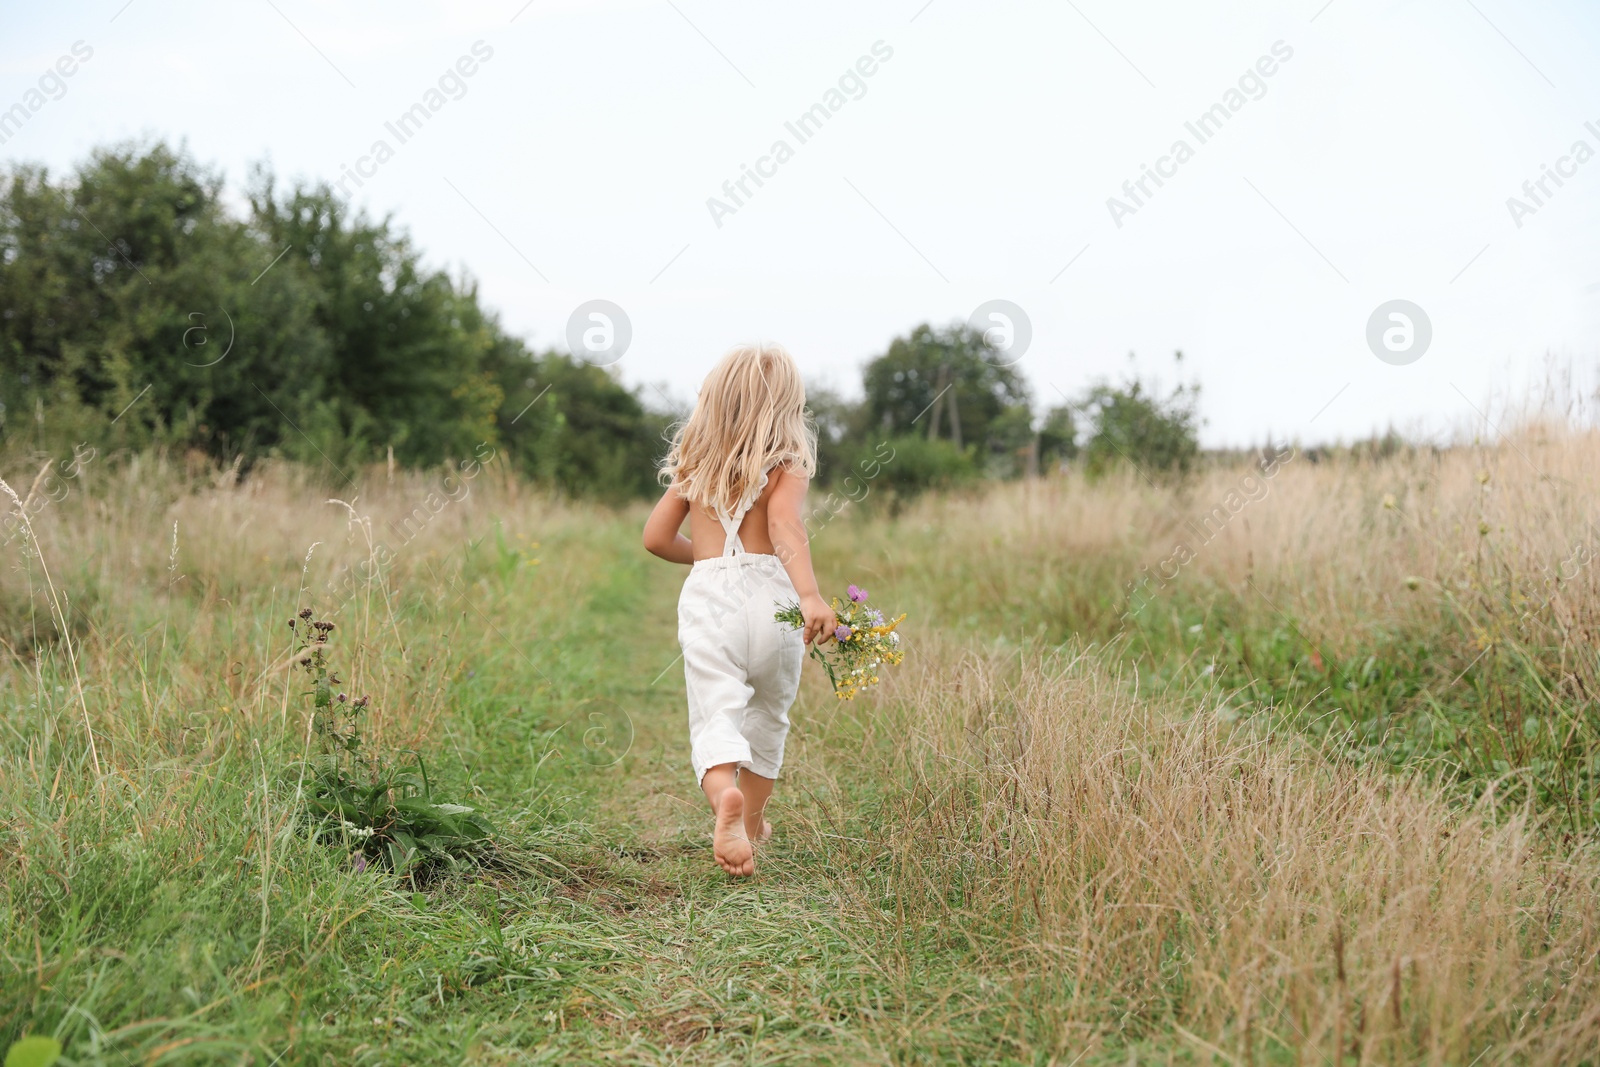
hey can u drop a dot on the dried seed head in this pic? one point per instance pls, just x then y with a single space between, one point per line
305 613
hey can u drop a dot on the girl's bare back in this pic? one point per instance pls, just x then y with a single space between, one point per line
706 531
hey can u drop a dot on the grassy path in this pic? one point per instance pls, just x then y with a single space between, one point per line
174 913
700 968
612 935
661 958
999 858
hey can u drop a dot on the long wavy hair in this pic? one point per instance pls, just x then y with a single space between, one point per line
750 416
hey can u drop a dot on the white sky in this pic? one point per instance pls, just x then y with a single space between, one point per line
990 142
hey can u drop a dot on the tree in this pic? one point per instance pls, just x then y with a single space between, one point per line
125 284
1137 424
131 293
1058 437
942 382
138 311
842 431
574 425
410 342
1011 442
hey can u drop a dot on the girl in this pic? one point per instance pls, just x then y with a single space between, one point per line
738 469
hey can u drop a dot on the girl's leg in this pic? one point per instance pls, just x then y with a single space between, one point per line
757 790
776 653
718 780
730 842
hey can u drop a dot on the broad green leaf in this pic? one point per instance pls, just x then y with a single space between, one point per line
33 1052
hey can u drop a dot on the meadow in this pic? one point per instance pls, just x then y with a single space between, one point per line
1322 790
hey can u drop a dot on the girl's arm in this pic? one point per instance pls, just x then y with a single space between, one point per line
787 529
661 536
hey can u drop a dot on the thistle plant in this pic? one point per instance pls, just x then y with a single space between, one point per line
384 812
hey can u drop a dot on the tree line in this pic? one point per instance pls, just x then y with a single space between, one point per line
138 310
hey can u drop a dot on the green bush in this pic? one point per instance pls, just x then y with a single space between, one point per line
1137 425
141 312
913 464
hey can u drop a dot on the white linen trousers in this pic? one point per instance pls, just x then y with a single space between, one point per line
741 666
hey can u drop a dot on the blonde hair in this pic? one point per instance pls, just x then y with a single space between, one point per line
750 416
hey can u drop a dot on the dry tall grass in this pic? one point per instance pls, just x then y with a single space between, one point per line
1156 860
1346 545
1138 869
186 566
1439 605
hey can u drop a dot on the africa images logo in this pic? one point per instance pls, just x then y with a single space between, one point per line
806 126
410 122
1566 167
51 82
1204 127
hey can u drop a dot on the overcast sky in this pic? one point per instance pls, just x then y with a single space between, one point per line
976 161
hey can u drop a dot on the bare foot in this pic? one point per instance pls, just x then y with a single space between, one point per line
766 832
729 843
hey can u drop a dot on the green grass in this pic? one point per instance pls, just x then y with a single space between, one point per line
182 917
174 911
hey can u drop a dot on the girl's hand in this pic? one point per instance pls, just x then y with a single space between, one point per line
820 622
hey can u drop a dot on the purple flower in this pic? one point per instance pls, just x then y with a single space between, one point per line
857 593
842 633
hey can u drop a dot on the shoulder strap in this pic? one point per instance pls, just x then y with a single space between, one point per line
731 545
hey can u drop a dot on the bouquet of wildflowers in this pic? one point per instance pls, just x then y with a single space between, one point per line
863 642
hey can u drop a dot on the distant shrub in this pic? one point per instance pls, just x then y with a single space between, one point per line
913 464
1058 437
1134 424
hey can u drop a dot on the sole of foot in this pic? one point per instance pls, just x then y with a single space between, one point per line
730 845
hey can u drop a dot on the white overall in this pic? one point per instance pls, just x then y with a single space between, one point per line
741 666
